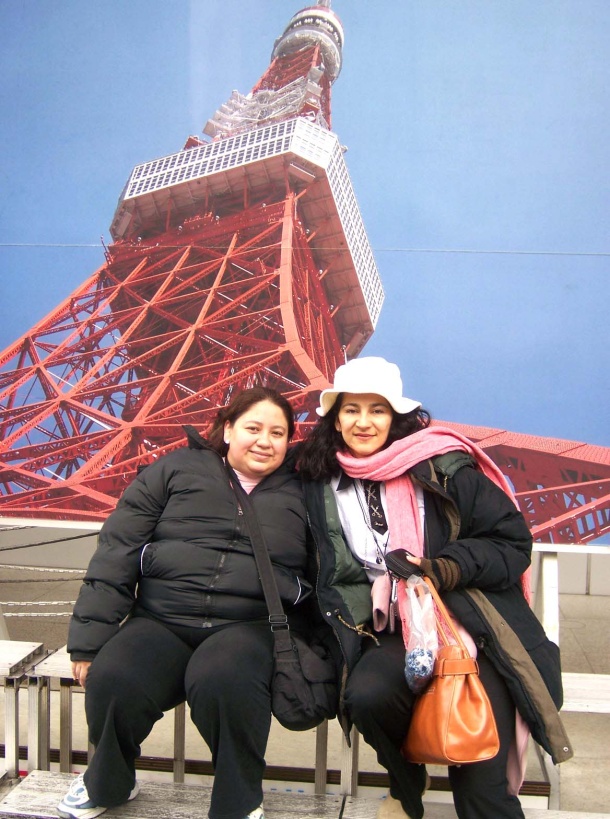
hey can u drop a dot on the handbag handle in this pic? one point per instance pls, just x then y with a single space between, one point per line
277 616
447 620
448 665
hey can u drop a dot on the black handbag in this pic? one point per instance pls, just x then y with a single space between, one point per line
304 686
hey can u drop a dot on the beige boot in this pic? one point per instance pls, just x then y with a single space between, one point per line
391 808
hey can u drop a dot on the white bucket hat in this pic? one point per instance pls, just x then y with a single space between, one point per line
368 375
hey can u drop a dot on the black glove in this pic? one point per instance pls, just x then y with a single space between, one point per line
443 572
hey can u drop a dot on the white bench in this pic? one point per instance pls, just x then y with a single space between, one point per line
37 796
15 659
586 693
57 668
583 692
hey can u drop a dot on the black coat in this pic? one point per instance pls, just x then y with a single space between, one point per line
468 518
472 521
176 549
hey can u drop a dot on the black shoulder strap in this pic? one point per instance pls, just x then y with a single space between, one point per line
277 617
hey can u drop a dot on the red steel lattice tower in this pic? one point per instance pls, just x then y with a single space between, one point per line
238 260
235 261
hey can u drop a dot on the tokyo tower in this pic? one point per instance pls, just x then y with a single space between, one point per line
241 259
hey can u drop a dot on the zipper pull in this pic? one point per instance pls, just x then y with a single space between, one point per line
393 609
240 511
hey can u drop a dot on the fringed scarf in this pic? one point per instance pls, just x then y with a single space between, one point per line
390 466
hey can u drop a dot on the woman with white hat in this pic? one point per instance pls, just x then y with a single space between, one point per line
379 476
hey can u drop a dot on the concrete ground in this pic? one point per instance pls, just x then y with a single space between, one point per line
585 645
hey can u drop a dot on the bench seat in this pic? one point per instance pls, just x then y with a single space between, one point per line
37 795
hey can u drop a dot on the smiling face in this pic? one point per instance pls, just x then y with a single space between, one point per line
364 422
258 440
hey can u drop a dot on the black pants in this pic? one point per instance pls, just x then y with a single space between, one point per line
380 705
146 669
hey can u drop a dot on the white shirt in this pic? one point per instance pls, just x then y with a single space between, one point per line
365 544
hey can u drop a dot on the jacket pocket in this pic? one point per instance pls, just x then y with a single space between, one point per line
293 589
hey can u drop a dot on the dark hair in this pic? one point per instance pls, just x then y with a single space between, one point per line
318 454
242 403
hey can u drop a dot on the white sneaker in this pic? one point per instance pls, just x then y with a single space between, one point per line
256 814
77 805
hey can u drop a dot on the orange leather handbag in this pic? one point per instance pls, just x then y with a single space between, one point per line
452 722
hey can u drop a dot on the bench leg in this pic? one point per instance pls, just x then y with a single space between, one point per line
321 758
179 743
65 725
11 725
349 764
39 728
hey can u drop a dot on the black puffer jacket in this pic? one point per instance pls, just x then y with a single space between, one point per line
176 549
472 521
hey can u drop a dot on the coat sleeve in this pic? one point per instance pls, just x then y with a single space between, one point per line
494 545
109 587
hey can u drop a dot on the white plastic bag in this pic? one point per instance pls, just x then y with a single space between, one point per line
422 643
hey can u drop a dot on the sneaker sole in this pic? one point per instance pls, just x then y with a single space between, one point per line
91 813
80 813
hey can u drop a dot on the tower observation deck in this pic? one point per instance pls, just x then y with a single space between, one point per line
276 138
241 259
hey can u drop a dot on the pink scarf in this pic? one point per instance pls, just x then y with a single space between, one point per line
390 465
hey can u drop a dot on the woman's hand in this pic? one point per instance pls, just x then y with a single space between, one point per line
443 572
80 669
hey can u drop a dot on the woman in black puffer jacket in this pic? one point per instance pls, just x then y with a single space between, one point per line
176 560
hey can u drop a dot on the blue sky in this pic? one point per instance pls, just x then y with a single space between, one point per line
477 137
